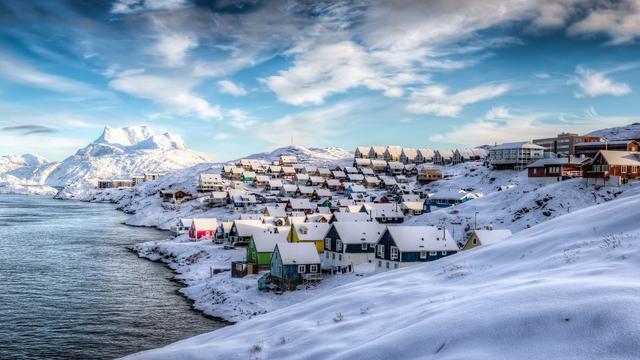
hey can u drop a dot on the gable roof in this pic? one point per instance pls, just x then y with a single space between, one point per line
205 224
266 241
517 145
620 157
298 253
311 231
350 217
359 232
422 238
488 237
558 161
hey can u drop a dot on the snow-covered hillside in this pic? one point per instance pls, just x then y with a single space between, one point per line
317 156
12 162
626 132
566 289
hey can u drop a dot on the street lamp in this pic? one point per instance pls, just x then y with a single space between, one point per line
475 221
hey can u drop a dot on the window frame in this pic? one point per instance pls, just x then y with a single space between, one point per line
313 268
395 253
423 254
303 268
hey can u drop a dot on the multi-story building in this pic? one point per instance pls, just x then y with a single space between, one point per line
564 143
515 155
591 149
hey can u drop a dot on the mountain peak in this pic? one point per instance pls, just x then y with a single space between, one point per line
125 136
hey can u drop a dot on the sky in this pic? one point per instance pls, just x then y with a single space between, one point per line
239 77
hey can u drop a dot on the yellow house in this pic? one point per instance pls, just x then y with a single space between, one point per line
309 232
485 237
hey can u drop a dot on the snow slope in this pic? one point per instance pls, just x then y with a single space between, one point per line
317 156
566 289
626 132
12 162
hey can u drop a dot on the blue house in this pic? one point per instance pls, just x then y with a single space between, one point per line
355 189
447 198
293 264
401 246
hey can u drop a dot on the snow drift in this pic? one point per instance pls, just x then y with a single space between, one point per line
567 289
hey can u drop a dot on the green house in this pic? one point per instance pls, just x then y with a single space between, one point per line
261 246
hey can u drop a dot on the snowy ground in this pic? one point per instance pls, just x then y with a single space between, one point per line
567 288
28 189
219 295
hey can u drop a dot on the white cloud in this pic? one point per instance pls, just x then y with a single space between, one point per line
231 88
541 76
436 101
619 21
222 136
173 93
313 127
137 6
174 47
240 119
593 83
500 125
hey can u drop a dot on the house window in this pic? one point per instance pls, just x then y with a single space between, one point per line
338 245
394 253
634 169
326 255
433 253
423 254
301 269
364 247
379 263
475 241
395 266
387 264
381 251
333 256
327 243
313 269
339 257
623 168
443 253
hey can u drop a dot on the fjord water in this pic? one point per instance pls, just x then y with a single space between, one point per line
69 288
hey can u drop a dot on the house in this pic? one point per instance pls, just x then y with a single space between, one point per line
175 197
515 155
302 205
181 227
556 169
305 191
333 184
338 175
357 178
413 207
395 168
349 217
355 189
310 169
151 176
402 179
242 230
248 176
301 178
274 185
260 248
446 198
377 166
427 174
371 182
323 172
613 167
309 233
242 200
104 184
236 173
288 172
137 179
275 211
367 172
294 264
275 171
361 162
349 244
287 160
408 155
203 228
210 182
424 155
443 157
386 213
392 153
321 194
377 152
288 190
217 199
388 182
402 246
120 183
261 180
410 170
222 232
591 149
315 180
299 168
350 170
361 152
463 155
485 237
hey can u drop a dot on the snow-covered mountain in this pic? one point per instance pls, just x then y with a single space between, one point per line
626 132
12 162
117 153
567 288
317 156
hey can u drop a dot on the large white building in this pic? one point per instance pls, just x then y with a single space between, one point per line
515 155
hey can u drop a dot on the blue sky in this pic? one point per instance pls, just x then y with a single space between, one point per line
238 77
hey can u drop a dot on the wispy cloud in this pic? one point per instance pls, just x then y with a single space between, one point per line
137 6
173 47
436 100
29 129
231 88
593 83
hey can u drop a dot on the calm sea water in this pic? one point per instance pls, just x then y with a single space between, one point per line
69 288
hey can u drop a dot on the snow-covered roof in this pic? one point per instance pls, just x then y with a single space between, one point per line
413 205
185 222
338 174
288 170
422 238
394 150
426 153
323 192
410 153
450 194
356 177
385 210
276 211
205 224
262 178
275 183
324 171
298 253
603 143
362 162
316 179
620 157
289 187
311 231
333 182
350 170
305 189
367 171
302 177
362 232
357 188
378 150
558 161
363 149
266 241
445 153
378 163
300 203
488 237
210 178
247 228
350 216
395 165
517 145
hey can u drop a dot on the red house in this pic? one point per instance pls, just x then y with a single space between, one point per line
614 167
203 228
557 168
